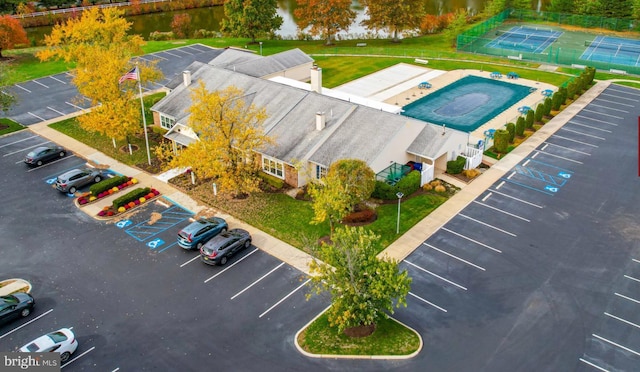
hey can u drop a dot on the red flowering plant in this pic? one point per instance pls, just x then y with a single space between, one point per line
129 201
105 188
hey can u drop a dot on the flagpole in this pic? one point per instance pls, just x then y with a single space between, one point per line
144 119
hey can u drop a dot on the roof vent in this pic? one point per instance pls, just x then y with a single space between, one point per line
186 78
316 79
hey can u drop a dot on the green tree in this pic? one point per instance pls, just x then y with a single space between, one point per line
561 6
547 106
356 177
501 140
395 16
511 128
456 27
11 33
99 46
6 98
563 95
556 101
616 8
329 201
539 113
324 17
520 126
229 134
572 89
519 4
529 119
363 288
493 7
251 18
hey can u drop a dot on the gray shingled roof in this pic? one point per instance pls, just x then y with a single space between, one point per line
431 143
231 57
273 63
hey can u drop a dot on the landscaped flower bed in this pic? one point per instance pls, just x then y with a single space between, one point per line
129 201
105 188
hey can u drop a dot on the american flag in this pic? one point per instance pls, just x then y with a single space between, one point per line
131 75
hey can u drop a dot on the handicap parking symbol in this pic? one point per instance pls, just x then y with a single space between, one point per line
155 243
564 175
551 188
51 181
123 223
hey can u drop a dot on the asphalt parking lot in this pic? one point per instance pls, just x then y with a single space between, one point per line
542 270
54 96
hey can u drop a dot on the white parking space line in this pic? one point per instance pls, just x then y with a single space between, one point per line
535 155
18 141
622 320
634 260
594 119
171 54
602 113
34 115
54 110
593 365
557 156
25 149
501 211
582 133
37 82
116 370
75 106
78 357
590 126
58 80
511 175
499 185
486 224
568 148
613 343
517 199
232 265
619 97
616 103
572 140
609 108
257 281
427 302
472 240
284 298
455 257
525 163
632 278
627 298
487 197
26 324
190 261
435 275
49 163
23 88
160 57
181 50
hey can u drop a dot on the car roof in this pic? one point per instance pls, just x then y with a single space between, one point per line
44 341
71 172
199 223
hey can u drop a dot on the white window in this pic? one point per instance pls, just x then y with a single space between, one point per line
167 122
320 171
273 167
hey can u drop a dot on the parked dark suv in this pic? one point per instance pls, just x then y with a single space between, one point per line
196 234
70 181
43 154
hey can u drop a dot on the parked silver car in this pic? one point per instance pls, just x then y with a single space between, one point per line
70 181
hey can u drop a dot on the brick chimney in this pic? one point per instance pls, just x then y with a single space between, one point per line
316 79
320 120
186 78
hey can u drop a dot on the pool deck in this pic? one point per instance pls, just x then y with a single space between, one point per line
412 93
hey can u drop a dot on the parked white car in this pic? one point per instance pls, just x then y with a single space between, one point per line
62 341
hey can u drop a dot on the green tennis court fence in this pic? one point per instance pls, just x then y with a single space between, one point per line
522 35
586 21
625 47
552 55
488 25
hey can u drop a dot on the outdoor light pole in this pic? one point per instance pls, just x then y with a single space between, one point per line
261 48
399 195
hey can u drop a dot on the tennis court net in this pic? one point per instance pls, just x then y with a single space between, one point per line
612 46
523 36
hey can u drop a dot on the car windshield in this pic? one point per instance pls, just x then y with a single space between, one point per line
31 154
57 337
33 347
9 299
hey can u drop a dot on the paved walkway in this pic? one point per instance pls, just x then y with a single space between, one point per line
400 249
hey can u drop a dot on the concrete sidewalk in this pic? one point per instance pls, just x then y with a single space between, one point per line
398 250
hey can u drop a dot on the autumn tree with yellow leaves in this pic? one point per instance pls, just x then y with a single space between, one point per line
229 133
394 16
324 17
98 45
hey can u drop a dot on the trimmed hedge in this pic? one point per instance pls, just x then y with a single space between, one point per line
457 166
407 185
273 181
528 120
107 184
520 126
131 196
512 131
501 140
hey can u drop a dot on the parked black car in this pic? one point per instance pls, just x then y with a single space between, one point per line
44 154
219 249
17 305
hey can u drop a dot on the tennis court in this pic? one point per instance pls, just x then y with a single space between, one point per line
613 50
525 39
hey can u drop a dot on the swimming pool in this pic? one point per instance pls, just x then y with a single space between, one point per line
468 103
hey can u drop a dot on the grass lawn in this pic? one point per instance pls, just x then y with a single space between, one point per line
389 338
8 126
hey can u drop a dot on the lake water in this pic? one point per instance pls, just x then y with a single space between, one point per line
209 18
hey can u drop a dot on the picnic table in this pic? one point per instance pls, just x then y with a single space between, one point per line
547 92
496 75
524 109
424 85
512 75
